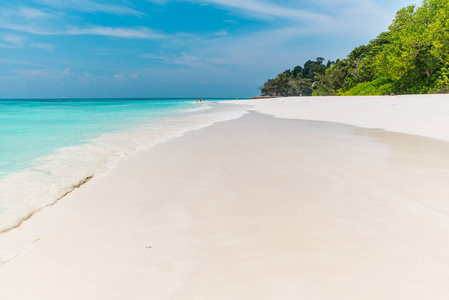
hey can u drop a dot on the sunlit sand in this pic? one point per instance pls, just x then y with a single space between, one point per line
302 198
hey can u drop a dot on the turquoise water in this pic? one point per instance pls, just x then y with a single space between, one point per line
48 146
34 128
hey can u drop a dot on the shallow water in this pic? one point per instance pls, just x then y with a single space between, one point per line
47 147
33 128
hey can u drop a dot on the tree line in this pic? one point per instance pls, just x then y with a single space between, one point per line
412 57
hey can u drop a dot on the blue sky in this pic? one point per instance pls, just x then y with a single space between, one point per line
173 48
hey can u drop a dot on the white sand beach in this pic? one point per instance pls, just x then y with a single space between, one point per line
425 115
302 198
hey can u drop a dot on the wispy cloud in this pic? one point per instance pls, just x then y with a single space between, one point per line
141 32
261 9
339 16
43 46
187 60
33 72
265 8
91 7
183 59
47 73
15 61
154 56
66 71
159 1
31 13
221 33
24 12
39 30
231 21
12 41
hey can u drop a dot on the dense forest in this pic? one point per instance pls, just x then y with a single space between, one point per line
412 57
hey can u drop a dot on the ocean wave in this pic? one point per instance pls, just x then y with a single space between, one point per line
195 109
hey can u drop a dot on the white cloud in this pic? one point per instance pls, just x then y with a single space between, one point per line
265 8
231 21
141 32
26 28
187 60
29 12
153 56
24 13
91 7
45 73
183 59
13 39
131 76
15 61
33 72
159 1
66 71
135 75
262 9
43 46
221 33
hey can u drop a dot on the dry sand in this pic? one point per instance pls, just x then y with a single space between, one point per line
259 208
426 115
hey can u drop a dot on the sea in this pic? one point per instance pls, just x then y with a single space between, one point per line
48 147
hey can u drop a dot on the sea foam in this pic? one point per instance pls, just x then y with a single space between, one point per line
196 109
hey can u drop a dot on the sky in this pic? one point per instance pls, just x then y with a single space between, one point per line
173 48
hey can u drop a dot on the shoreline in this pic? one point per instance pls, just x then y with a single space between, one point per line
253 207
75 186
59 190
422 115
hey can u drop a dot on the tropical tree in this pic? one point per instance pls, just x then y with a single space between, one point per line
411 57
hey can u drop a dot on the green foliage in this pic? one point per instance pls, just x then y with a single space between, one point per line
410 52
296 82
380 86
442 81
331 80
411 57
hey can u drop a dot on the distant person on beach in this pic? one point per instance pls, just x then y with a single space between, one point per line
201 99
196 100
